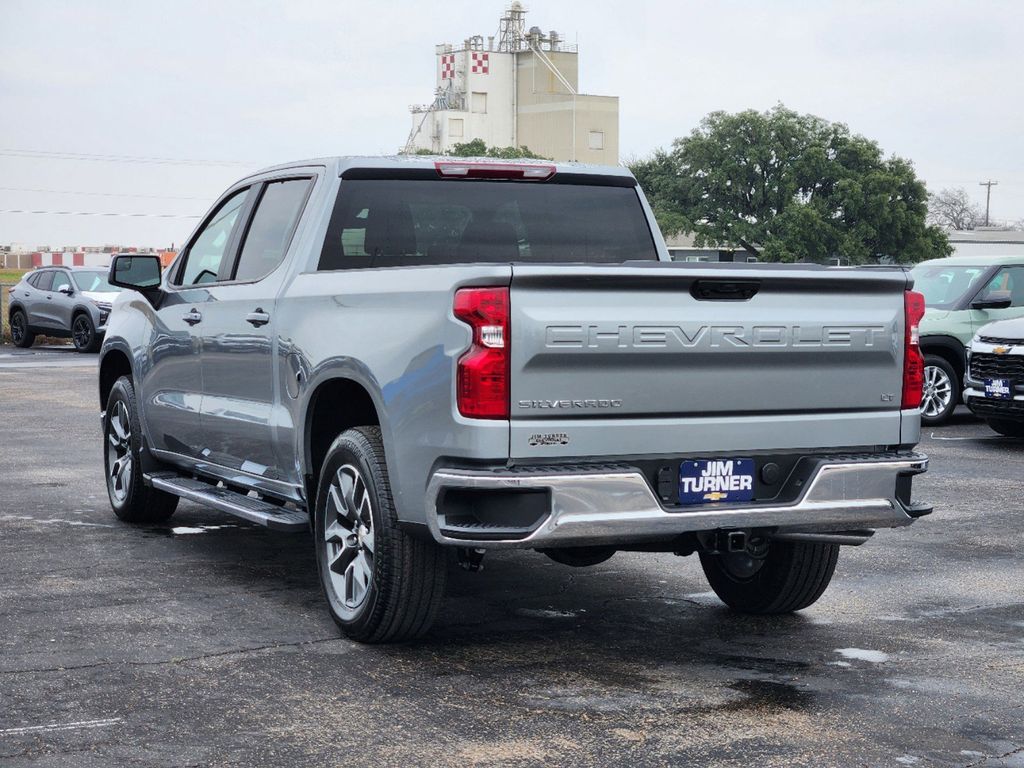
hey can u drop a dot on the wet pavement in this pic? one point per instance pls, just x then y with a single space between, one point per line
205 642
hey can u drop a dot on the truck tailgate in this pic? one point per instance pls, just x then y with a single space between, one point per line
697 359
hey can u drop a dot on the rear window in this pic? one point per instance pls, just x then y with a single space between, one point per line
416 222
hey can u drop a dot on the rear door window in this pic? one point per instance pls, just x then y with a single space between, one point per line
45 280
415 222
206 253
271 229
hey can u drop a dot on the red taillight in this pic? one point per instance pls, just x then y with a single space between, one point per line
483 170
482 387
913 360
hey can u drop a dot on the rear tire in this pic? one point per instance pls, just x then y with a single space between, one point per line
1007 427
792 576
381 585
20 334
132 500
941 391
83 333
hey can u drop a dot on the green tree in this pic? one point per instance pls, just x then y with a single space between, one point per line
478 148
790 187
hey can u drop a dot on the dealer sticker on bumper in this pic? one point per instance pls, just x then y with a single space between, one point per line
705 481
999 389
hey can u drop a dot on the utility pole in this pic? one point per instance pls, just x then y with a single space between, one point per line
988 194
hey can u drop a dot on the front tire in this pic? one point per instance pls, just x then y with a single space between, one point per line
792 576
941 391
20 334
132 500
83 333
1007 427
381 585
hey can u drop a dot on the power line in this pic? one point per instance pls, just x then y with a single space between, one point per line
100 213
46 155
100 194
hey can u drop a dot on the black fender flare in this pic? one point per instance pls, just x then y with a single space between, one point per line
948 347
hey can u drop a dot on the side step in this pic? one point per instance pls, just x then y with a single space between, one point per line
245 507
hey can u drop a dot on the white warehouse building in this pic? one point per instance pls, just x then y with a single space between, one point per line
519 90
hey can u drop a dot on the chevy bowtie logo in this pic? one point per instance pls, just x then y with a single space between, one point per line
1001 350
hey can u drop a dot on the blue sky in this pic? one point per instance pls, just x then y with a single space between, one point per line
248 84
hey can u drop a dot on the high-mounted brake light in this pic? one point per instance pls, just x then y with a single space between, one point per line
482 386
523 171
913 360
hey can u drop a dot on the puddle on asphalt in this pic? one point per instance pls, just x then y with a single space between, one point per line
540 613
863 654
182 530
762 693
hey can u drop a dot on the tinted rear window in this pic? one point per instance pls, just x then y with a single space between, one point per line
394 223
44 281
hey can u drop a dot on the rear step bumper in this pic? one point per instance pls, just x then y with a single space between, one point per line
615 504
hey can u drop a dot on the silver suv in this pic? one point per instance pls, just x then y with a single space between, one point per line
64 302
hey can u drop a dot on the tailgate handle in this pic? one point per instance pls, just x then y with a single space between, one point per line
724 290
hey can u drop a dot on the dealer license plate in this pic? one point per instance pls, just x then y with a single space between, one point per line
705 481
999 389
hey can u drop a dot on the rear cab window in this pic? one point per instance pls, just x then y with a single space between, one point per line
425 220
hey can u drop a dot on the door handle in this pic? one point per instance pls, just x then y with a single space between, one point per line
192 317
257 318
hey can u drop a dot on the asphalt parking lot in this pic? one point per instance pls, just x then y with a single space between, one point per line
204 642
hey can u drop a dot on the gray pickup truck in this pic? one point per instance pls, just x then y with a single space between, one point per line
423 357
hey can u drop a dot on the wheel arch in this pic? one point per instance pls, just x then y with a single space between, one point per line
114 364
334 405
950 348
81 309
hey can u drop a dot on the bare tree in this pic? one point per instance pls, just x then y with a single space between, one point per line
953 209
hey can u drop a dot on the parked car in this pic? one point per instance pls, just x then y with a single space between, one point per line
962 294
994 384
420 356
66 302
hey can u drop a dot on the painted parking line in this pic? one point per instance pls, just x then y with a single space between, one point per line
62 726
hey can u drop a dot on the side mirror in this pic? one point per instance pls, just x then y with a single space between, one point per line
138 272
993 300
67 290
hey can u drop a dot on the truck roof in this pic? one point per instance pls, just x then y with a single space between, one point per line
342 163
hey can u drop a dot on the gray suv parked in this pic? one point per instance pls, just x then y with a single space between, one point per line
64 302
418 357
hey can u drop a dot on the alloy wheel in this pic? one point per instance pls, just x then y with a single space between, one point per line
81 332
119 452
349 538
938 391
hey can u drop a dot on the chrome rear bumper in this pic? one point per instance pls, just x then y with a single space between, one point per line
615 504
